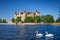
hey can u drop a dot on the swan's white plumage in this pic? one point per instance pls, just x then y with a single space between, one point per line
38 34
49 35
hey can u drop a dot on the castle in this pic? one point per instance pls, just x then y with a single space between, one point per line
24 14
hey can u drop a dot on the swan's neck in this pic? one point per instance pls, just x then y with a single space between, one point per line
46 32
37 32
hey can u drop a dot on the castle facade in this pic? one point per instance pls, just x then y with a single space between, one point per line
24 14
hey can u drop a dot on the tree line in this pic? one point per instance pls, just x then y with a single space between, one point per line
3 21
37 19
27 19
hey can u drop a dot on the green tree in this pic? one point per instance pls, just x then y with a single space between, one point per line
29 19
37 19
13 20
18 19
4 21
42 18
58 20
0 20
48 19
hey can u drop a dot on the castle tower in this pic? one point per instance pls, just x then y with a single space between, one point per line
37 13
15 15
23 16
59 12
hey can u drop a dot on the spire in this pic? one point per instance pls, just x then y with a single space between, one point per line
25 11
15 13
59 12
37 11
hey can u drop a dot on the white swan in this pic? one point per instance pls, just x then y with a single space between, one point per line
38 34
48 35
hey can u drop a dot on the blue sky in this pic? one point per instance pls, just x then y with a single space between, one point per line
8 7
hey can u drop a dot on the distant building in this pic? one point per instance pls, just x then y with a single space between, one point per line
24 14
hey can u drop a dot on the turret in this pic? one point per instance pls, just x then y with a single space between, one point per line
25 11
37 13
24 15
15 14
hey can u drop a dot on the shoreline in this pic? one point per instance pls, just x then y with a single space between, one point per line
56 24
7 24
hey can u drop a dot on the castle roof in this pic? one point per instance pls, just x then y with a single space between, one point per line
26 12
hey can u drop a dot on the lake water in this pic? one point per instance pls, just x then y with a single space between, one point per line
14 32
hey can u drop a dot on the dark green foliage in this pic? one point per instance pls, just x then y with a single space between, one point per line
0 20
29 19
13 20
48 19
37 19
42 18
3 21
58 20
18 19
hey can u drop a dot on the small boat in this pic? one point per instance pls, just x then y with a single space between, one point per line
48 35
38 34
